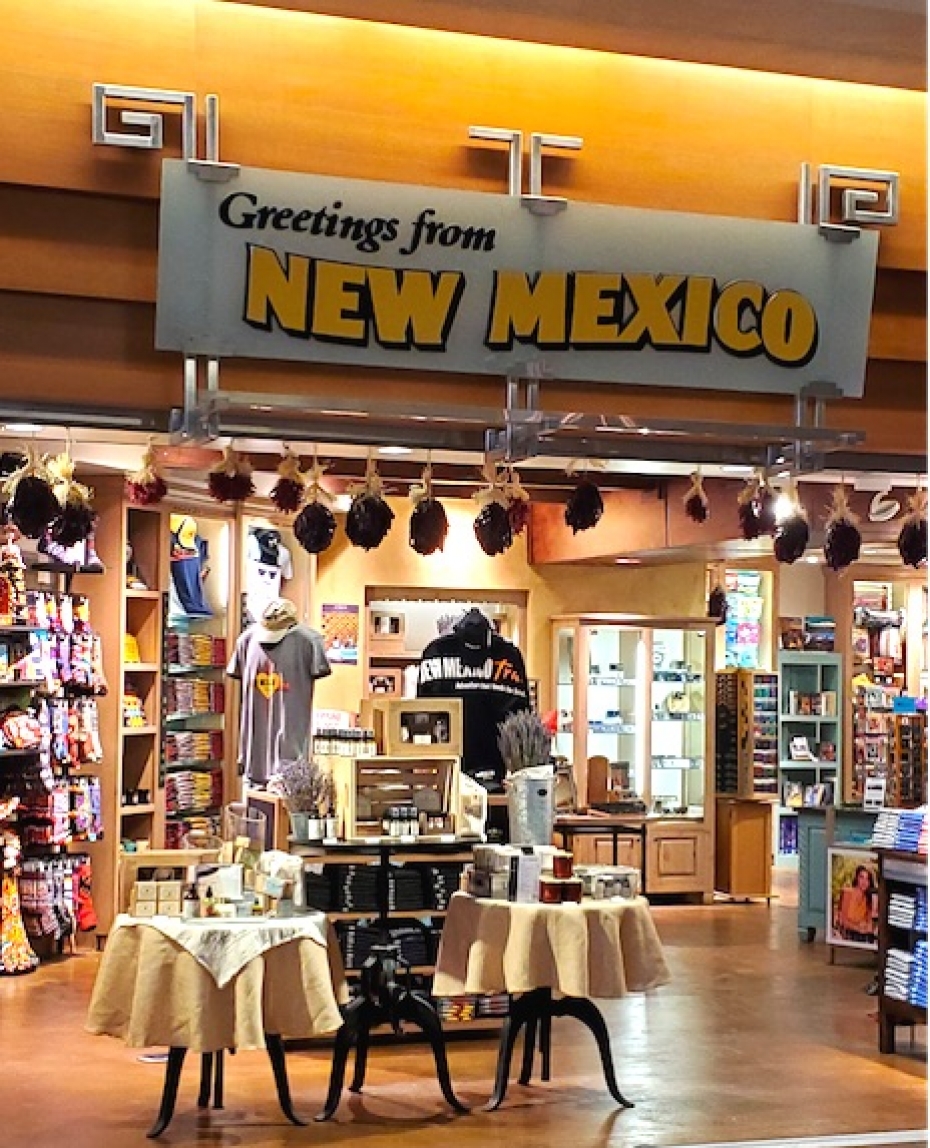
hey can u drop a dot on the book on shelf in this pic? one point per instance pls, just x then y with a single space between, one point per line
819 633
800 749
791 633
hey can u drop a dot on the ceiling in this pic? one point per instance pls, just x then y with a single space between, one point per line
863 41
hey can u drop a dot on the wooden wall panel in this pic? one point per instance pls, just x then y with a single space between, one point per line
880 45
394 103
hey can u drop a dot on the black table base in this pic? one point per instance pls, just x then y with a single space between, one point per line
384 1000
211 1075
534 1012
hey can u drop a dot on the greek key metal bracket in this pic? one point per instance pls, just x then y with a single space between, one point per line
152 137
534 200
876 202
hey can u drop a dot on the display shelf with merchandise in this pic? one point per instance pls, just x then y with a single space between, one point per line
810 736
902 943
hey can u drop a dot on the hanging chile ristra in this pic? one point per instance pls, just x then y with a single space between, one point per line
75 522
289 491
912 541
146 487
717 604
792 533
369 518
756 507
697 507
492 525
518 502
585 506
32 505
230 480
429 524
315 525
842 541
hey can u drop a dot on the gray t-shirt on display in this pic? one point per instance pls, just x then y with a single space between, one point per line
277 697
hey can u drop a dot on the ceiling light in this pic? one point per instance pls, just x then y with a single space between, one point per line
811 558
784 507
22 428
342 503
735 469
394 450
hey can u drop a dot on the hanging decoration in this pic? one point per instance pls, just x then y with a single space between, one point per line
315 526
585 506
912 541
289 491
842 541
429 524
756 507
369 518
793 532
146 487
518 502
75 522
231 479
697 507
492 525
32 505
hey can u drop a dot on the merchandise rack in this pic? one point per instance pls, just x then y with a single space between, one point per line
896 871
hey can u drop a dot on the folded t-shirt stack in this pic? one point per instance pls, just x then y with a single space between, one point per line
898 965
907 836
405 890
318 889
441 882
885 829
355 888
920 912
356 941
902 910
917 990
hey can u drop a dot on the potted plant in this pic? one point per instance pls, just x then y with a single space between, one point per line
299 784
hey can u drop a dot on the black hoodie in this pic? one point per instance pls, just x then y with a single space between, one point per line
486 671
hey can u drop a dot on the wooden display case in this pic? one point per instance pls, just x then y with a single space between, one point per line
368 786
743 855
415 727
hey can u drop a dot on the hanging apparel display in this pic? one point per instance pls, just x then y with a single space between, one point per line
484 670
188 561
267 563
278 661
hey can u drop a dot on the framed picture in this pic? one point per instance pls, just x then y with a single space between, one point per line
384 683
852 898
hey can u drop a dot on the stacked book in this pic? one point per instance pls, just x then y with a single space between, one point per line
917 989
898 965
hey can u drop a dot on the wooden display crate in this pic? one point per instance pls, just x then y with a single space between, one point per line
415 727
386 633
367 786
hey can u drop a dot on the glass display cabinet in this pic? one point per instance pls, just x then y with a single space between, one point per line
635 720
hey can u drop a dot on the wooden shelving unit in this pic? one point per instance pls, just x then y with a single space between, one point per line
903 872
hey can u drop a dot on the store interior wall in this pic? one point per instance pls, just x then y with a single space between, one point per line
344 572
801 590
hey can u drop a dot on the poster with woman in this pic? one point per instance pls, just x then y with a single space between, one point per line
852 897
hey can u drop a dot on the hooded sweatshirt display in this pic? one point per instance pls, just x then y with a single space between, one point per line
484 670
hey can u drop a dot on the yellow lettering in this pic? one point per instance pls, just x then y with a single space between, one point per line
695 319
736 299
276 291
653 297
338 311
414 308
595 309
789 329
533 312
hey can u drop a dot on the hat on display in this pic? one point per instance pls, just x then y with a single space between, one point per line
278 619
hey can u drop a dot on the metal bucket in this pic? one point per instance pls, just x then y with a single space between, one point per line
531 806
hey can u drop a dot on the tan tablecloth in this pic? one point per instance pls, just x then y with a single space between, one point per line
596 949
150 991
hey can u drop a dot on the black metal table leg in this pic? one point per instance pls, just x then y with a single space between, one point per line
362 1042
413 1006
589 1014
169 1094
529 1050
206 1079
218 1074
275 1047
545 1045
521 1010
354 1018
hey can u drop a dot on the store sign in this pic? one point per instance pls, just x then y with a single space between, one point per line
274 265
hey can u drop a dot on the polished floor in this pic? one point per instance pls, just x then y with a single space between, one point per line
757 1037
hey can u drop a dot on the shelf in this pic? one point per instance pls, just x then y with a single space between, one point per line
677 717
20 685
66 568
416 970
204 766
23 629
179 670
191 717
135 810
140 731
406 657
141 668
144 595
812 719
19 753
372 914
210 811
807 765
